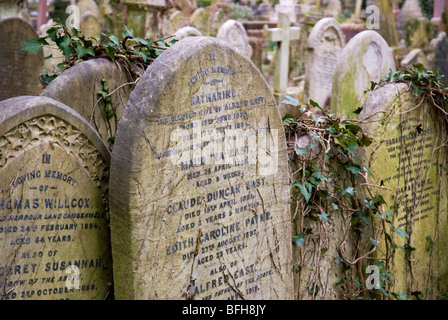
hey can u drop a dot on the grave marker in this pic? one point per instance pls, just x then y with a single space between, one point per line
282 35
406 158
234 33
199 181
325 43
365 58
19 70
53 202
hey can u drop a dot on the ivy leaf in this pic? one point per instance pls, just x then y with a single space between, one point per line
299 239
350 191
82 51
355 169
301 151
290 100
372 241
352 147
303 190
323 216
127 32
34 45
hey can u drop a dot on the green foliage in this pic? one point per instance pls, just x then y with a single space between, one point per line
132 52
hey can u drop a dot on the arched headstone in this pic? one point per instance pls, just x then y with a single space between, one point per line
199 181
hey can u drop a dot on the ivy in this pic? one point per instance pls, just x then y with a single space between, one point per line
133 53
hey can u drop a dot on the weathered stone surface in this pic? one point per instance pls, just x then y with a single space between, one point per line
19 70
365 58
234 33
53 203
407 158
199 199
78 88
325 43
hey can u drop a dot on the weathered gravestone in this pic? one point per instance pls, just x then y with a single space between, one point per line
53 203
19 70
364 59
325 43
407 160
199 181
78 87
234 33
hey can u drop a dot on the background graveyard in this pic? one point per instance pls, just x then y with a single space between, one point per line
363 113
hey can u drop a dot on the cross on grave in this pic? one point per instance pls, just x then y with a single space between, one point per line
283 34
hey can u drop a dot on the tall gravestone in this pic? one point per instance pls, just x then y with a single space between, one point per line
325 43
233 32
19 70
407 159
54 234
365 58
199 181
78 87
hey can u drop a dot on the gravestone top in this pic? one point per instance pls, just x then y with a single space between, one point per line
53 202
233 32
193 213
325 43
78 86
19 70
186 32
365 58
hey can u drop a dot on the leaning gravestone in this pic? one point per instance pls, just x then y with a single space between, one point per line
186 32
325 43
199 181
407 160
78 87
364 59
19 70
233 32
54 234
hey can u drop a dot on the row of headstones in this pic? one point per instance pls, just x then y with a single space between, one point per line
177 231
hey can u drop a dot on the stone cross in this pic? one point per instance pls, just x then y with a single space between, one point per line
283 34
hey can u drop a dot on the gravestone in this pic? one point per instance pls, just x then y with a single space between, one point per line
176 21
365 58
90 25
234 33
325 43
200 20
54 234
282 35
78 86
407 160
19 70
288 6
410 10
194 215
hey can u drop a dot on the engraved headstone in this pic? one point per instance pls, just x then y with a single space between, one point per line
19 70
199 181
78 86
234 33
365 58
54 234
325 43
407 159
